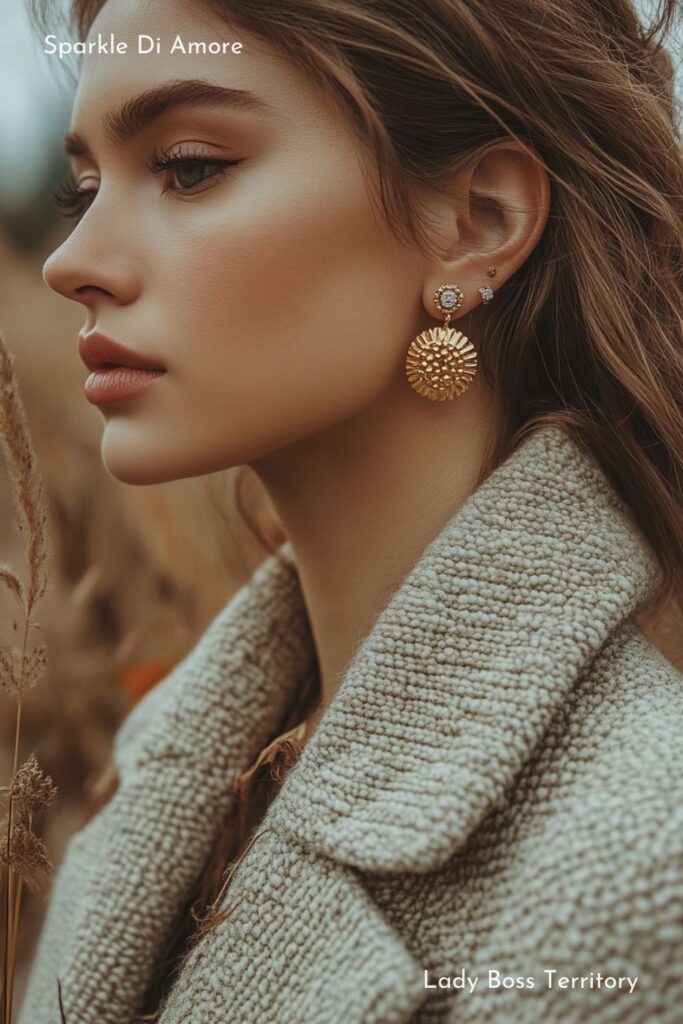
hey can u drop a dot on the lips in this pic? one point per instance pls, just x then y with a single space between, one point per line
99 352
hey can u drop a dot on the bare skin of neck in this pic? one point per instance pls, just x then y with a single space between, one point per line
360 502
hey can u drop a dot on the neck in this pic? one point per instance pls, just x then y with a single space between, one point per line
361 500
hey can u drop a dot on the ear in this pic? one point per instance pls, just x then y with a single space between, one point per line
491 214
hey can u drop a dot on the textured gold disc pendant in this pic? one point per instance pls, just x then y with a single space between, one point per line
441 363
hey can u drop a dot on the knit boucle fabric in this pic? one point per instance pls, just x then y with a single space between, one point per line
496 787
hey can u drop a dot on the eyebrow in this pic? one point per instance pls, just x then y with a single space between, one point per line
140 111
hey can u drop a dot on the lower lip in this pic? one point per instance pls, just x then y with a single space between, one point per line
117 383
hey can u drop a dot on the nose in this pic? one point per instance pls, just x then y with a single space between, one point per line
89 267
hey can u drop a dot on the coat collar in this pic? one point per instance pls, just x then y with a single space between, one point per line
451 690
464 668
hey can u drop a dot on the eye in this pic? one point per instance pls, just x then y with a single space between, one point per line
193 172
189 170
72 200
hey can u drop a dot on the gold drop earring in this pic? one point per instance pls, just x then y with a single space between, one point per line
441 363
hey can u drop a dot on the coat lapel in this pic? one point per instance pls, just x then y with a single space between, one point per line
304 941
455 684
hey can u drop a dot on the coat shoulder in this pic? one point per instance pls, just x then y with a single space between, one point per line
596 815
582 864
616 746
630 704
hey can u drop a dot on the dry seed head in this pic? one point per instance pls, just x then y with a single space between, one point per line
32 786
27 856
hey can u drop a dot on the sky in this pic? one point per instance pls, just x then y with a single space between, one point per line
35 103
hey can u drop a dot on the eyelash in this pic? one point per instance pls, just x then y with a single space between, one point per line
74 201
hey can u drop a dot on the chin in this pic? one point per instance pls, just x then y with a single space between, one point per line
132 457
138 472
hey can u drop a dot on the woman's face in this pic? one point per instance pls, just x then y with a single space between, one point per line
257 272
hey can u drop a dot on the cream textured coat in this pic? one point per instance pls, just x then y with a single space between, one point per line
495 787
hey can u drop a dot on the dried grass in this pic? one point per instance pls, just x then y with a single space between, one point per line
23 855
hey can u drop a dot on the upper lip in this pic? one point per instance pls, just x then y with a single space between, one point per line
100 352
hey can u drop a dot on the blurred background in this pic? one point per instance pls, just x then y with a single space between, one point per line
136 573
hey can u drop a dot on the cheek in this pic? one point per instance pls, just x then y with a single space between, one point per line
297 299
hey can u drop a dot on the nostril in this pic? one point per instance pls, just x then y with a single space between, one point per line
85 289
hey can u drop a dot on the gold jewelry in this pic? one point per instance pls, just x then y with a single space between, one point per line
486 294
491 272
441 362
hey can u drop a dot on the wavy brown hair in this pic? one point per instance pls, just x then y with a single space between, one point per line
588 334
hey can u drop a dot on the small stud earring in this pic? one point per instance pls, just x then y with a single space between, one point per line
486 294
441 362
491 272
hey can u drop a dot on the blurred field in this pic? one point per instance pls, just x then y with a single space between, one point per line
136 573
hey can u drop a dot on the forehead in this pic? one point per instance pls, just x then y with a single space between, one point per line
107 80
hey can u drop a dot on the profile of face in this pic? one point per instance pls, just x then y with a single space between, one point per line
254 269
228 235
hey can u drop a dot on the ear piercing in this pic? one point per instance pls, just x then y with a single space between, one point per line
487 292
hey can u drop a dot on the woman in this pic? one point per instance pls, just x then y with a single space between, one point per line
419 266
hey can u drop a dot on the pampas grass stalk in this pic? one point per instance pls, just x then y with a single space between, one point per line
23 857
